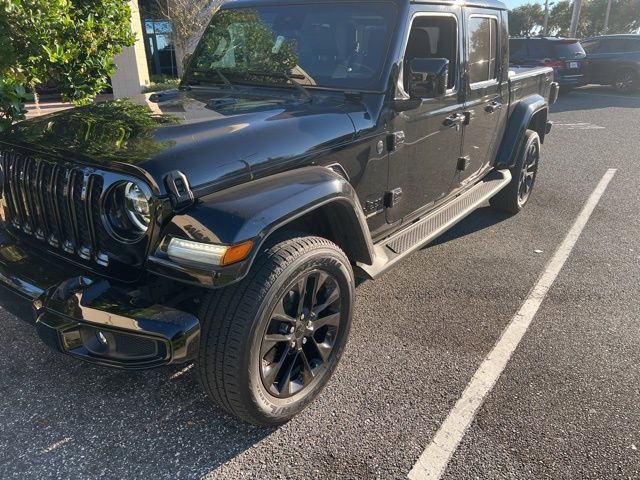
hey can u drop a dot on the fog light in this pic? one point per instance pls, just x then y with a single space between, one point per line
118 346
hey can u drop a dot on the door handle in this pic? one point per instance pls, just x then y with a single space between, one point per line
493 107
455 120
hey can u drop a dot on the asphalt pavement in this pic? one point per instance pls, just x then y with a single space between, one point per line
566 405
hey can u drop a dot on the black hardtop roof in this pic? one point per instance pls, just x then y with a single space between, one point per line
547 39
493 4
617 35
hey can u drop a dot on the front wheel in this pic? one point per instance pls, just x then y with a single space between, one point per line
516 194
271 343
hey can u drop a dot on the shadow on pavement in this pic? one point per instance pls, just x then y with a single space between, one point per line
594 97
65 419
479 220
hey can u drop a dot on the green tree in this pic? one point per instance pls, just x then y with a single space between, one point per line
625 17
526 19
71 43
560 19
188 20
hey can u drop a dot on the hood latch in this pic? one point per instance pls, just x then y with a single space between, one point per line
178 185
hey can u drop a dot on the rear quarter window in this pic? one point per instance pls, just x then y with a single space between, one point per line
591 46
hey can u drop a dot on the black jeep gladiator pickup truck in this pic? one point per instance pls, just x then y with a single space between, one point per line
309 144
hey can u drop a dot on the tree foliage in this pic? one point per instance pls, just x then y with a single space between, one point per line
525 20
188 20
239 40
625 18
71 43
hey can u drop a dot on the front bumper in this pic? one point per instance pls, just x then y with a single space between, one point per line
89 318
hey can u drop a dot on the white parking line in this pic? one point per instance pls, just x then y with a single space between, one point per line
434 460
181 372
56 445
611 95
578 126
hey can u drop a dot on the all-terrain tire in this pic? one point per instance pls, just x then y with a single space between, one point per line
516 194
235 322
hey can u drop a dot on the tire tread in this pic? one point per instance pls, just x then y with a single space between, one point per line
227 316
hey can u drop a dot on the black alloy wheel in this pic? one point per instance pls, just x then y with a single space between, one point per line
298 342
516 194
528 172
270 343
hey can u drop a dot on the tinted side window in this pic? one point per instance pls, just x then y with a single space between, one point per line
483 35
434 37
591 46
615 45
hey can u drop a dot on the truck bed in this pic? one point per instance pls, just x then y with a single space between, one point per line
525 81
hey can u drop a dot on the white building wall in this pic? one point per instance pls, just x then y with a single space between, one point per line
133 72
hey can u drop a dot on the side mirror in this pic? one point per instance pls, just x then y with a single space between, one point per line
428 77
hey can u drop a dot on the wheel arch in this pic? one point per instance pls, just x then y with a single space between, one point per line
313 200
336 221
531 113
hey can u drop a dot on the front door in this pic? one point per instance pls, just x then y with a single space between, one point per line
422 168
486 101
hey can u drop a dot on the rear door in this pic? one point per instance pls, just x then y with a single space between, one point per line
485 87
604 57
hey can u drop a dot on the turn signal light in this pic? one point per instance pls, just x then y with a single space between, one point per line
202 255
236 254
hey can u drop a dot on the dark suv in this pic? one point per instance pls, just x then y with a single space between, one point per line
614 60
565 55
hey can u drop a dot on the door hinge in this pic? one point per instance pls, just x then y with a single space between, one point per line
393 197
395 139
463 163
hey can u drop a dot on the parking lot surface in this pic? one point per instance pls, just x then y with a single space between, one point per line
566 405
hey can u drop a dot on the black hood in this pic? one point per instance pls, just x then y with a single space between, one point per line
215 138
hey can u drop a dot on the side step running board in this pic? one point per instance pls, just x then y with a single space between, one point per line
408 240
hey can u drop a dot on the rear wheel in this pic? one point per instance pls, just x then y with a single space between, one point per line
516 194
626 81
271 343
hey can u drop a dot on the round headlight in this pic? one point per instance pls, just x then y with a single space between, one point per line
137 206
127 211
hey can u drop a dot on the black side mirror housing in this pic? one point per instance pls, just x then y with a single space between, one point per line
428 77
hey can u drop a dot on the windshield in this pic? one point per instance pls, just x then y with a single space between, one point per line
339 45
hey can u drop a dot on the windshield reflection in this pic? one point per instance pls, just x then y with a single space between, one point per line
314 45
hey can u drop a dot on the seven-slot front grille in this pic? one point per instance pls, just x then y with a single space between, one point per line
55 203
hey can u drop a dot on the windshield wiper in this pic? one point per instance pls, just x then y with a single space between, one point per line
218 72
304 91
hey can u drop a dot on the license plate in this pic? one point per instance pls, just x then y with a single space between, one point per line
573 64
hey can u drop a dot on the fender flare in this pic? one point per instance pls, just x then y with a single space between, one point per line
255 210
517 125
